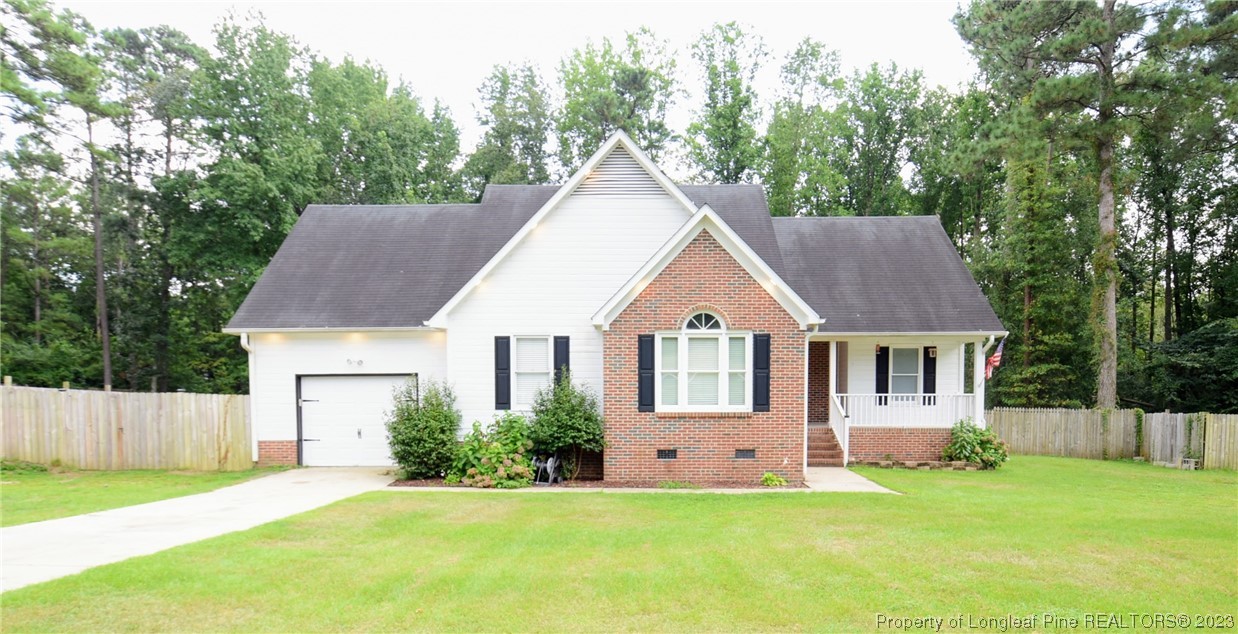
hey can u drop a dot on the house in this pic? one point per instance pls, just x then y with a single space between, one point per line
723 343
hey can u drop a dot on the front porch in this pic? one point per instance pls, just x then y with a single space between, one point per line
893 397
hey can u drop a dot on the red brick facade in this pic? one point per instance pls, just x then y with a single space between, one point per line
704 276
819 382
277 452
897 443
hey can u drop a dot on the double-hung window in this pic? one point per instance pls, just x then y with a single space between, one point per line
704 367
904 373
531 367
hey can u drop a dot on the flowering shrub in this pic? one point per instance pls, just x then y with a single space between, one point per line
496 456
973 444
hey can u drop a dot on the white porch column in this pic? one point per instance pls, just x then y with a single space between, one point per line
833 373
978 363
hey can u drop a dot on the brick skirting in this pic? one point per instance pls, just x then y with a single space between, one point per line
897 443
277 452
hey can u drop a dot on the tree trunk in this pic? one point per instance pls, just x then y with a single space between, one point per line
1173 311
1027 325
1107 379
38 280
100 290
163 337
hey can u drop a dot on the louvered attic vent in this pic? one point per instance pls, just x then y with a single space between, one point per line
619 175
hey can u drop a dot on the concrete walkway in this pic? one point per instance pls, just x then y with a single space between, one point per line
42 551
841 480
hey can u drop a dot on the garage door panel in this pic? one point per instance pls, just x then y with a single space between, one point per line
343 419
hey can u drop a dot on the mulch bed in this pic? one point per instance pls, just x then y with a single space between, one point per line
428 482
610 484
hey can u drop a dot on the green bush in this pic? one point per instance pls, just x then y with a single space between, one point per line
970 443
423 435
567 422
496 456
771 479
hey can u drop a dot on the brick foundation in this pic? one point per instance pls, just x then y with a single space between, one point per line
703 276
590 466
897 443
277 452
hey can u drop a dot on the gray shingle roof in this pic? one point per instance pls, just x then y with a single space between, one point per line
382 266
393 266
882 274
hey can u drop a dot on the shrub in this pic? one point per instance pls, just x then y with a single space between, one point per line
423 435
496 456
676 484
773 480
973 444
567 422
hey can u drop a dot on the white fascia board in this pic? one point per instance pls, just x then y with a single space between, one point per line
439 319
707 218
826 334
243 331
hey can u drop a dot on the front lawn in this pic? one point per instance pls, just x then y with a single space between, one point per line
1042 535
31 496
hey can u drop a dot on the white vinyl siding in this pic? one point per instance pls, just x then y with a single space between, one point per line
278 358
552 282
861 360
531 369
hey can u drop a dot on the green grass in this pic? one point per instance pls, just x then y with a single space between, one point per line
32 496
1068 537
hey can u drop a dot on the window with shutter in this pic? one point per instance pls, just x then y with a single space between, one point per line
704 367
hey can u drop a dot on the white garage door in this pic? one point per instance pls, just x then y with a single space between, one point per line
343 420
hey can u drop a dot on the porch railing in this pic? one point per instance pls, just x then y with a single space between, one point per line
840 424
905 410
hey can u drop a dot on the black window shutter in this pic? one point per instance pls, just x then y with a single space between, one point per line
502 373
883 372
760 373
644 363
930 375
563 357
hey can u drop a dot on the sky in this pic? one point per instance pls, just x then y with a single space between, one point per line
444 50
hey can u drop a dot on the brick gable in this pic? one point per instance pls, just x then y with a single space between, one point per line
704 276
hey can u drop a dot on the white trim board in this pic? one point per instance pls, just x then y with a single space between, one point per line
617 140
706 219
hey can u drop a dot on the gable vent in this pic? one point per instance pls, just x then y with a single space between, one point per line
619 175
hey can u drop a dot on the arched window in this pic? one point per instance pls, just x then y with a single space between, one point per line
704 367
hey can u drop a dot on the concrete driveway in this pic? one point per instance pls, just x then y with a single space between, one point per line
42 551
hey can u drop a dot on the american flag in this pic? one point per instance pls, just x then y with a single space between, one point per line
994 360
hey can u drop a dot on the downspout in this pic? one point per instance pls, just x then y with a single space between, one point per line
253 436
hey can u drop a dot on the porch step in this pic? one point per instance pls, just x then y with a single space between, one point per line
823 448
825 462
814 453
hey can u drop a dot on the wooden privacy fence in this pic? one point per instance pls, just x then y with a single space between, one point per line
1077 433
1168 438
1221 441
1082 433
90 429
